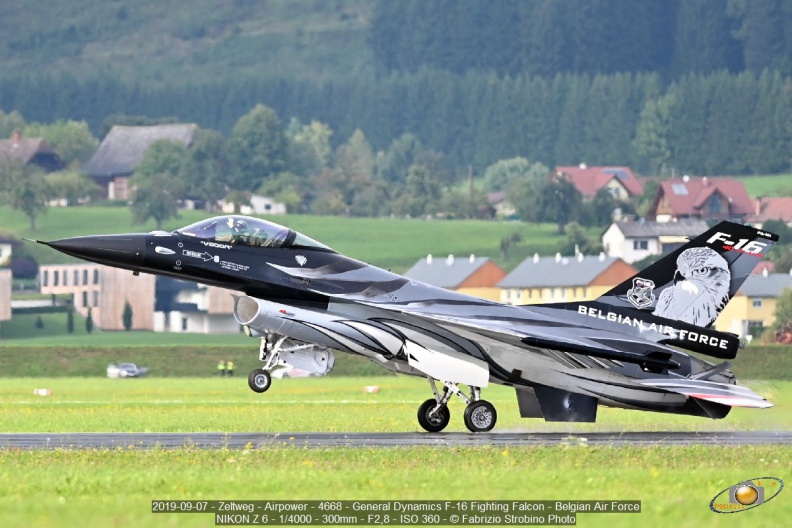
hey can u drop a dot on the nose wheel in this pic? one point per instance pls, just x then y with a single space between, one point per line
259 380
433 414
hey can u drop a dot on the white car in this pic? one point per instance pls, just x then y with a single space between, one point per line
126 370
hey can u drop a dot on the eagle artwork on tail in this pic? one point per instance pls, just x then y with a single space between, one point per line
700 290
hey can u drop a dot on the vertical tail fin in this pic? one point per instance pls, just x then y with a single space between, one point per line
694 283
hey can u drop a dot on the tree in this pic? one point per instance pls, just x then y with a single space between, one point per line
783 311
157 197
557 201
157 182
576 241
70 321
10 123
506 175
257 148
206 166
24 188
599 210
163 156
126 316
71 140
421 194
651 141
508 242
72 186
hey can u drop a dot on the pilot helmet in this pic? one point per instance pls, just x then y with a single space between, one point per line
240 227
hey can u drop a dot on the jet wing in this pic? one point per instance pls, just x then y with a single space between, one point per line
580 340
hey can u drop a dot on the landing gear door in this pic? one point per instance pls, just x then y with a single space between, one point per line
447 366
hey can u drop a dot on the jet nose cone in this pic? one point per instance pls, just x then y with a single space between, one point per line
125 251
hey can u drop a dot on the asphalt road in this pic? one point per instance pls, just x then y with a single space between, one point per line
319 440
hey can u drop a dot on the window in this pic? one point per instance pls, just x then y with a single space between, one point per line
85 277
184 324
55 277
756 302
85 299
45 278
96 276
76 277
714 204
96 298
641 244
65 278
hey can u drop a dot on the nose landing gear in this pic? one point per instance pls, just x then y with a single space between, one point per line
260 380
433 414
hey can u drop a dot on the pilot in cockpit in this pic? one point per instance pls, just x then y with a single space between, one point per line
239 232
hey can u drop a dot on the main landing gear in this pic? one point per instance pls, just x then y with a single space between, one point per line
433 414
260 380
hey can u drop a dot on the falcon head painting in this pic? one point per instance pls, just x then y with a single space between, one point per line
700 289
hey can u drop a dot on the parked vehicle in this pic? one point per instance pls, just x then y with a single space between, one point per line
126 370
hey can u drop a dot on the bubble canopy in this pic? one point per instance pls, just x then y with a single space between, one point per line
248 231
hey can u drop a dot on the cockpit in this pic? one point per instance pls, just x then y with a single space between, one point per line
249 231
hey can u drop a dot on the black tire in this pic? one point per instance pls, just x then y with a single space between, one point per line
480 416
259 380
434 423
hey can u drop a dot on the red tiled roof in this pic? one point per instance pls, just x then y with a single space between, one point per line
589 180
687 195
772 209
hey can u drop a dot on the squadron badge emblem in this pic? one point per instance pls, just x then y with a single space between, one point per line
301 260
641 294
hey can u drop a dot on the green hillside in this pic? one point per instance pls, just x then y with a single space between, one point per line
203 39
387 242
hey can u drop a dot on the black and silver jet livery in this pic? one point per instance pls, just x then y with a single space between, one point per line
626 349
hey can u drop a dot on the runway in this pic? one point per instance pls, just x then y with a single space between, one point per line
330 440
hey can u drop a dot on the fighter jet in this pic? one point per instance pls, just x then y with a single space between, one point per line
630 348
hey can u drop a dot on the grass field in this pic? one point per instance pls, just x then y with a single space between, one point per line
116 487
772 185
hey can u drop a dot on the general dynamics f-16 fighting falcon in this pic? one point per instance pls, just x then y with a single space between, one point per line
626 349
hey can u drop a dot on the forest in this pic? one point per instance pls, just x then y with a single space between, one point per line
693 86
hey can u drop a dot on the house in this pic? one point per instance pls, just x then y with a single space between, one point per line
503 208
160 304
183 306
753 307
563 279
476 276
260 205
5 295
122 150
771 208
635 240
103 290
31 151
620 181
707 198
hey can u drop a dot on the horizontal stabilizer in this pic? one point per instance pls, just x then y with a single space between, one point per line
722 393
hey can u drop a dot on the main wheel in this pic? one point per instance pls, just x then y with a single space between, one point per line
434 423
480 416
259 380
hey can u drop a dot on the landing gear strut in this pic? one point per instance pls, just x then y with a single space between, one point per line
260 380
433 414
